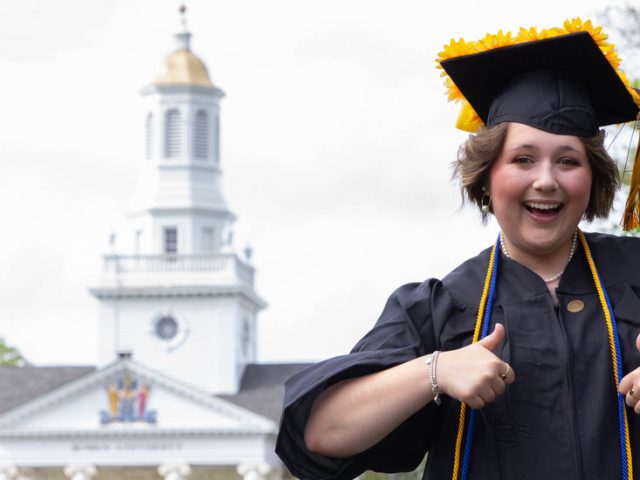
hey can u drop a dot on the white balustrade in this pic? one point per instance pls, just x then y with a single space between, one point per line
219 263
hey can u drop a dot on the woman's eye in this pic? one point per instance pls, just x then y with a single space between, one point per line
522 159
568 161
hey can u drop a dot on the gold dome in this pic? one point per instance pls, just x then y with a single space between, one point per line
182 67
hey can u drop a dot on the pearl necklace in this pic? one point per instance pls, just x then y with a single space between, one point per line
574 245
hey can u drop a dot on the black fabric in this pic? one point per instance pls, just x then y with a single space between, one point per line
558 420
481 77
552 101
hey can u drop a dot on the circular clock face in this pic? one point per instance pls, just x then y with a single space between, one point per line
166 327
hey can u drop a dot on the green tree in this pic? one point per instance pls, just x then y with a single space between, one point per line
10 356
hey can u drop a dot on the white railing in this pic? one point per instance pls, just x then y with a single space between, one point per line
221 263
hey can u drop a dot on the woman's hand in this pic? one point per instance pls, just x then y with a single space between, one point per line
474 375
630 385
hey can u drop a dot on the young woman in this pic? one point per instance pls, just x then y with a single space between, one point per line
517 364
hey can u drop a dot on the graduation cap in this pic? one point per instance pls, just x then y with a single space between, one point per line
563 80
562 85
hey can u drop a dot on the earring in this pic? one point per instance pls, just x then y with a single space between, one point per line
485 206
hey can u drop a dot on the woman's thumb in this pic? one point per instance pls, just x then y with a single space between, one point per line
494 339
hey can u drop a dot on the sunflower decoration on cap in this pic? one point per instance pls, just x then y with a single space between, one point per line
563 80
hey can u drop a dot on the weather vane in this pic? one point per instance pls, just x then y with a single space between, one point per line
182 10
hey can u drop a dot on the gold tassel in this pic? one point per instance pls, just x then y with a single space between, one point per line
631 216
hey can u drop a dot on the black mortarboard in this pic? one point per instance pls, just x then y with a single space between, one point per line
563 85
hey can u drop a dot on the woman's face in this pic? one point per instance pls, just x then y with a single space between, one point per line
540 186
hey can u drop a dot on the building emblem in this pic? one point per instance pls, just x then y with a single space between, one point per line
127 400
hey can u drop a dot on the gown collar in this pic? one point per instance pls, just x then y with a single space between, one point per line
515 282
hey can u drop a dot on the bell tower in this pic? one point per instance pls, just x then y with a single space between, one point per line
174 292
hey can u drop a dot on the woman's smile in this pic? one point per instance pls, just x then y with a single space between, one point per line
543 210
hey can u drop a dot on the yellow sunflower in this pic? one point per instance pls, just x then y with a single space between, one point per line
455 49
468 119
491 41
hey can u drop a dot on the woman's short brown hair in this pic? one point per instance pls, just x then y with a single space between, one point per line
477 154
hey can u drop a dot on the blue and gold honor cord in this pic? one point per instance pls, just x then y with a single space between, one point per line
616 360
481 329
482 323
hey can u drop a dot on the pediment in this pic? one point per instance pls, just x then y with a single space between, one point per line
126 396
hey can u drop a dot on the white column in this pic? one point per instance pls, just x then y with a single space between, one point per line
8 472
254 471
80 472
174 471
277 473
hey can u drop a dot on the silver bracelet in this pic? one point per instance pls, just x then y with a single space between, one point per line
432 361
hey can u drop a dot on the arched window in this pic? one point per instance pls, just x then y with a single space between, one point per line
150 136
172 138
201 135
216 138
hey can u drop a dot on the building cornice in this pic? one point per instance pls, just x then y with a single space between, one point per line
193 89
243 291
156 433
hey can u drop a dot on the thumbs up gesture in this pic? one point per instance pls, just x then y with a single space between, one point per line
474 374
630 385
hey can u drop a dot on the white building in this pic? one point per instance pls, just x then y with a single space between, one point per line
177 392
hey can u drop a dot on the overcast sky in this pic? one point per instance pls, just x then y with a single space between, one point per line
336 145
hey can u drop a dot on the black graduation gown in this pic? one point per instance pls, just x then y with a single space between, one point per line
558 420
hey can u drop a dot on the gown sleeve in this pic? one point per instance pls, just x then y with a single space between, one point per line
404 331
